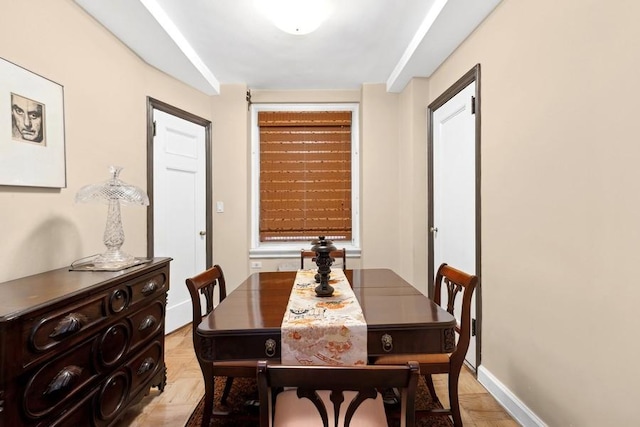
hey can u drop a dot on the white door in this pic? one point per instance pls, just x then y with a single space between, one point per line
454 189
179 213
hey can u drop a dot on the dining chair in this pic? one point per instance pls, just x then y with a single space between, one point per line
311 395
205 284
338 253
456 283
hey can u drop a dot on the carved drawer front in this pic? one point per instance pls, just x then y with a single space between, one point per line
113 395
119 299
147 322
64 325
59 381
146 364
149 287
78 415
113 343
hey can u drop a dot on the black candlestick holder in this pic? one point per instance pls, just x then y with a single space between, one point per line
323 247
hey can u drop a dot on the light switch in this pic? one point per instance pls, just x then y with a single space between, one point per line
219 206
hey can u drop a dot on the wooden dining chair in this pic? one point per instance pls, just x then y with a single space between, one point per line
457 283
205 284
333 395
338 253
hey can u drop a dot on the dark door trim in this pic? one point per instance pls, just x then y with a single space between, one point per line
154 104
473 75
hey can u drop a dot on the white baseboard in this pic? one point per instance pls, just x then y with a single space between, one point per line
514 406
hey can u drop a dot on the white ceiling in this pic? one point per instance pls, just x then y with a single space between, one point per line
205 43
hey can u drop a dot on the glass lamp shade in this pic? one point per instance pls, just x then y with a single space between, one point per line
113 192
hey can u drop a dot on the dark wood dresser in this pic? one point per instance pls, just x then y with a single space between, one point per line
79 347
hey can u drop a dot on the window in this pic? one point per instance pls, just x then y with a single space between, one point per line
304 181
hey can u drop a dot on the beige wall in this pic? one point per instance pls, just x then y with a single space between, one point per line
231 179
105 90
379 178
560 204
412 187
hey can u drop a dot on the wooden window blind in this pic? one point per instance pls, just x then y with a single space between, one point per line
305 175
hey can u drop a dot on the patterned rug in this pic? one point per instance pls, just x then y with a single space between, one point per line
243 399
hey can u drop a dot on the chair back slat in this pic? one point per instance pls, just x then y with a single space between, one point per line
457 284
364 380
205 284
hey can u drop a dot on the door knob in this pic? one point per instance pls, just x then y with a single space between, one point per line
203 233
433 229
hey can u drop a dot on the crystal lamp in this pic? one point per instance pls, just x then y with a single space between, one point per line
113 192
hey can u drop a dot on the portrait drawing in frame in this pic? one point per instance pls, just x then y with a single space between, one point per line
32 145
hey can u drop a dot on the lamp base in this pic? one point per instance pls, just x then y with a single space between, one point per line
107 262
114 258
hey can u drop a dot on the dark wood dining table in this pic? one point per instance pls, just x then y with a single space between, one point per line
400 319
246 325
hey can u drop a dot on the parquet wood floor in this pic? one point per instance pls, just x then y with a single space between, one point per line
184 389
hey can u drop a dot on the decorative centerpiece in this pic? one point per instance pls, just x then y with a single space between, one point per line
323 247
113 192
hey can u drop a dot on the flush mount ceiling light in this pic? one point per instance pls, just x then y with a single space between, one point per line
296 16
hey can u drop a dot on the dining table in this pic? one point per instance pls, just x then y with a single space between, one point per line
247 324
400 319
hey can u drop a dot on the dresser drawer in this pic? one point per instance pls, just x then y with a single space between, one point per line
147 322
79 414
149 286
146 364
59 381
63 326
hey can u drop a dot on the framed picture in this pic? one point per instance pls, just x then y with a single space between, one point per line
32 151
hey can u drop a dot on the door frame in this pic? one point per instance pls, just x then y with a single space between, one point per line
473 75
154 104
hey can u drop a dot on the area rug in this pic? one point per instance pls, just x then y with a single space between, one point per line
243 402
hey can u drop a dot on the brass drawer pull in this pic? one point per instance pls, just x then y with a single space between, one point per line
147 322
71 323
64 379
150 287
147 365
270 347
387 343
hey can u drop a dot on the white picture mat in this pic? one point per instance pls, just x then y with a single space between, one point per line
23 163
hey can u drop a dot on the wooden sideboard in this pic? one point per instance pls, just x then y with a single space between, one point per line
79 347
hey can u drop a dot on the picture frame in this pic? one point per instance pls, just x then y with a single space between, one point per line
32 138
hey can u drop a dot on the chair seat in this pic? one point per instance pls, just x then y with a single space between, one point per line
291 411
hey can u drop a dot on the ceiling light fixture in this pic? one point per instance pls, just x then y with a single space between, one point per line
296 16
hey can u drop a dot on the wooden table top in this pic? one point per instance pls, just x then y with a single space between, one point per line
388 302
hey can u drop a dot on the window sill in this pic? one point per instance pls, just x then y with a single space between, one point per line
293 251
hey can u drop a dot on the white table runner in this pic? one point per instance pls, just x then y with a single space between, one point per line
323 330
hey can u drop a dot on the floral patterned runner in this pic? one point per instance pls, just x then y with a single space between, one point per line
323 330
